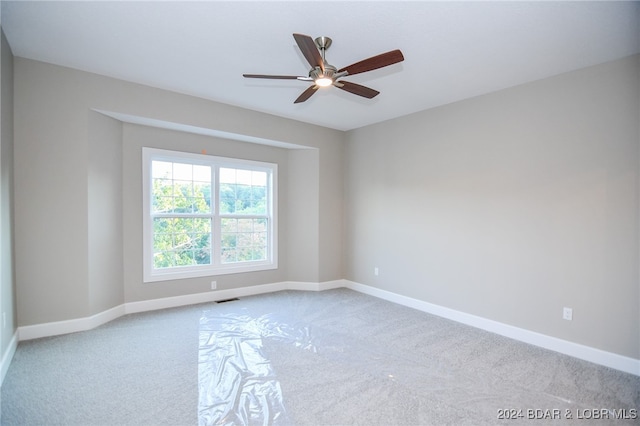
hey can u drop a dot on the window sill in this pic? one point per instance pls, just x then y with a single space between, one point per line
208 272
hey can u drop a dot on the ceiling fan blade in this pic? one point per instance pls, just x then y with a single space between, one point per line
277 77
357 89
375 62
309 50
306 94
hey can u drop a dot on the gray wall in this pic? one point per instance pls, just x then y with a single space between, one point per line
104 213
509 206
303 216
77 190
7 272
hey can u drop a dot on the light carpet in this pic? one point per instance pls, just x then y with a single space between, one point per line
335 357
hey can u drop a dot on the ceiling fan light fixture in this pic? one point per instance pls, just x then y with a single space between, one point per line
324 81
323 78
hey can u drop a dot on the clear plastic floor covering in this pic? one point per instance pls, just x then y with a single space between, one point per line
237 384
340 357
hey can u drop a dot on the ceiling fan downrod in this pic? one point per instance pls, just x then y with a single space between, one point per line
323 44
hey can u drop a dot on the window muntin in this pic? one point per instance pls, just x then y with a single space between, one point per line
207 215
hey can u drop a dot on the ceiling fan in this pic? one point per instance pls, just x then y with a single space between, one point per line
323 74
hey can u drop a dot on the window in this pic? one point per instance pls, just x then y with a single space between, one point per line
206 215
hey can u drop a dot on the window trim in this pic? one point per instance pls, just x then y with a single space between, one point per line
151 274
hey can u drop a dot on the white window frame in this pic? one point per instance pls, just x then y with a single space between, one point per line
152 274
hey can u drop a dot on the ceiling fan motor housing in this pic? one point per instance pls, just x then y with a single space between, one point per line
329 72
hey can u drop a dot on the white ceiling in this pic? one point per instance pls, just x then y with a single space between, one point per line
453 50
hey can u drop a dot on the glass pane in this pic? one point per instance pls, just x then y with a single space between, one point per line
245 225
229 240
182 204
243 177
227 198
227 175
161 169
162 226
229 225
181 242
181 188
202 226
260 225
259 254
259 194
162 204
259 178
162 193
243 254
185 258
243 199
182 171
229 256
202 197
244 240
202 173
202 257
243 191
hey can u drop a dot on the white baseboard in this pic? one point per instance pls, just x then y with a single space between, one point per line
7 356
576 350
170 302
597 356
37 331
307 286
56 328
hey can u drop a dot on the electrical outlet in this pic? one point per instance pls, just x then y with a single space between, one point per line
214 285
567 313
376 271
